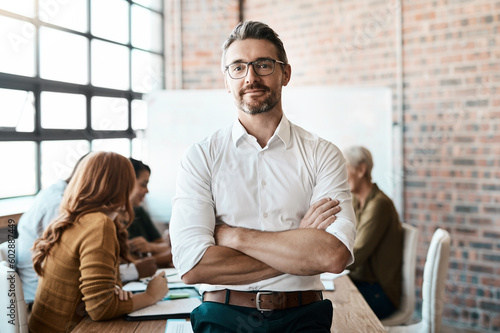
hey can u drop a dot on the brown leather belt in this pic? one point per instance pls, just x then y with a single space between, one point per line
264 300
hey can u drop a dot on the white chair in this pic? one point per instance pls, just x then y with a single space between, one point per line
435 270
407 306
12 306
4 251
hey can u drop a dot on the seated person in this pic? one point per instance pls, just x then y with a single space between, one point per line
78 255
35 220
144 237
378 248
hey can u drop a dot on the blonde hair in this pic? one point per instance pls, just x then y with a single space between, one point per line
102 182
357 155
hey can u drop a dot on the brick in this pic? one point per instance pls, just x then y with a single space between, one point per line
478 245
490 306
481 269
491 257
466 209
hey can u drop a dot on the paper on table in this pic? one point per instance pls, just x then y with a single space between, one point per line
178 306
332 276
327 279
135 286
178 326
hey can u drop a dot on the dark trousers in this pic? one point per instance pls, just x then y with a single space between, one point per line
376 298
212 317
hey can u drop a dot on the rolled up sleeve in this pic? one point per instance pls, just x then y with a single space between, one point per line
193 217
332 183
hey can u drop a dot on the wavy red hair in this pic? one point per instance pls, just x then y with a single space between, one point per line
102 182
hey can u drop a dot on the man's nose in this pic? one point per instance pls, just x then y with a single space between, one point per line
251 74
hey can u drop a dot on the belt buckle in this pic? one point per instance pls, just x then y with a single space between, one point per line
258 300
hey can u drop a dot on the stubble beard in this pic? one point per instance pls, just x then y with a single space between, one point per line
257 107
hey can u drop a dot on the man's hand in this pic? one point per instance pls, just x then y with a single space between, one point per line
139 245
146 266
321 214
224 234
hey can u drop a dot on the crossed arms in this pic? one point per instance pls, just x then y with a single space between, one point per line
243 256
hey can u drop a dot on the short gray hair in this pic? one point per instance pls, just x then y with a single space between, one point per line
254 30
357 155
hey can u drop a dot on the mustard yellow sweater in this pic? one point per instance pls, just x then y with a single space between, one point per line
79 277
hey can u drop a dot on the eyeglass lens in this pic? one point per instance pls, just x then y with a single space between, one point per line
261 67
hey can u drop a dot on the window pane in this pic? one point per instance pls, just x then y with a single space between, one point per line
139 114
68 63
109 114
153 4
146 29
17 45
139 146
113 27
24 7
147 71
110 65
17 171
59 159
69 14
63 111
120 146
18 110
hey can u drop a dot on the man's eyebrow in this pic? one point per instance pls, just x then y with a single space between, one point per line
241 60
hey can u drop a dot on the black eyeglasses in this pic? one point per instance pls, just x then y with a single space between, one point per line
262 67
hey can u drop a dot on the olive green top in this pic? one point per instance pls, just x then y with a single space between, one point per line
378 249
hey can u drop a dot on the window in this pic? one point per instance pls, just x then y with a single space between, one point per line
72 76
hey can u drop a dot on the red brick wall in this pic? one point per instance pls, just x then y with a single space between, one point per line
451 97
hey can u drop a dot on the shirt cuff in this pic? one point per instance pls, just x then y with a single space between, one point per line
128 272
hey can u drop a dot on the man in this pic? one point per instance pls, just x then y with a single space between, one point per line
242 220
379 243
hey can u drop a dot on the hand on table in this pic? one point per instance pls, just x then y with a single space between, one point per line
158 287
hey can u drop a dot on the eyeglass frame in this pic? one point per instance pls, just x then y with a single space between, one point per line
274 61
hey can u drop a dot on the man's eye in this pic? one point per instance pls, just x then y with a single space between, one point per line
238 68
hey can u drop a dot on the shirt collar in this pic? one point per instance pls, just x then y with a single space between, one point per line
282 132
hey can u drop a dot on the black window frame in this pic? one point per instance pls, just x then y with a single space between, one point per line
37 85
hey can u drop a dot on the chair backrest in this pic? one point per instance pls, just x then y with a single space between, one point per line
435 271
407 306
12 306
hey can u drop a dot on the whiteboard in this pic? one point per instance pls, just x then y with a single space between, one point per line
343 115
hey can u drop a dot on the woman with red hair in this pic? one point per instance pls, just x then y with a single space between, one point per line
78 255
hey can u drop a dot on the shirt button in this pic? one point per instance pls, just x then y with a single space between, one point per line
265 215
263 183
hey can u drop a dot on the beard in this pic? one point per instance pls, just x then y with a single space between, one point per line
256 107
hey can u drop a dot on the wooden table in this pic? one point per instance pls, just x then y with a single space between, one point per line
350 314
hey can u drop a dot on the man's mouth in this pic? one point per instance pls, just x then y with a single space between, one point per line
254 89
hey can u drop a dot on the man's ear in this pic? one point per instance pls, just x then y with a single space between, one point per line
228 89
361 171
287 74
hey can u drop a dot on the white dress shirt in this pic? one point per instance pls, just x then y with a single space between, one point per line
228 178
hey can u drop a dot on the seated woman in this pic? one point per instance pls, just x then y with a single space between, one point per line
78 255
378 249
144 237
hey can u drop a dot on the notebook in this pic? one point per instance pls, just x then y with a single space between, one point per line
177 308
178 326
